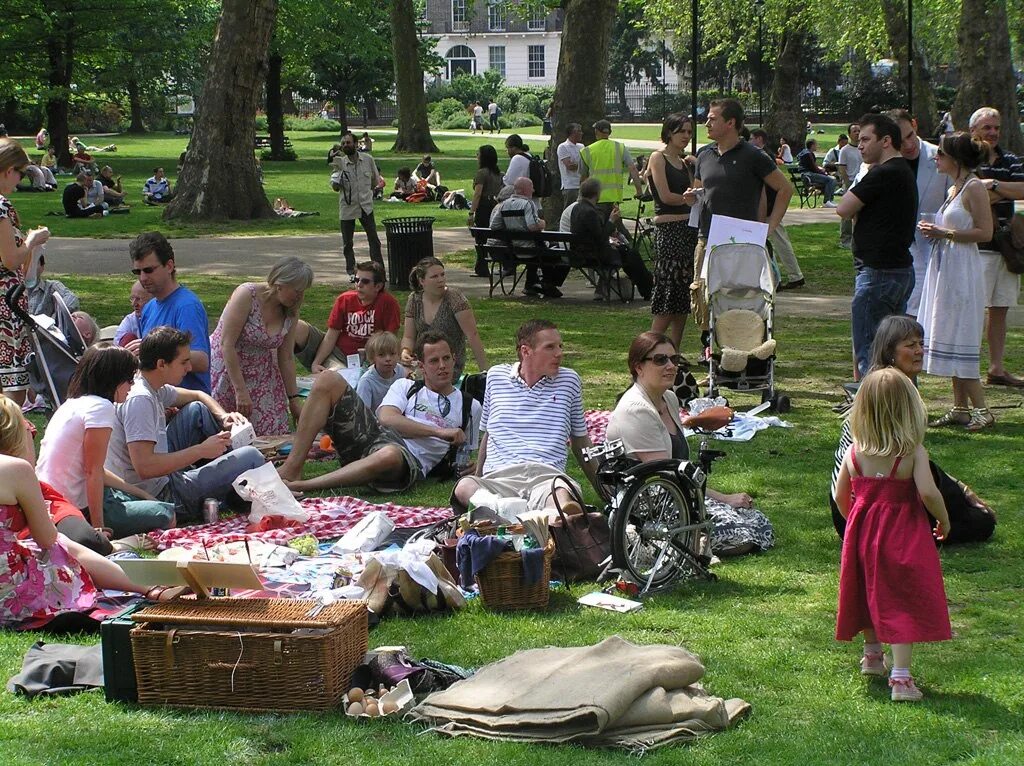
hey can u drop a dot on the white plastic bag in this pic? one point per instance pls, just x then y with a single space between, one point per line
369 532
265 489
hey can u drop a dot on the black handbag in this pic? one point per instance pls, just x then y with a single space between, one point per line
582 540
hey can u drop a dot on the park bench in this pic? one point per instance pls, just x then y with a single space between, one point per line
509 253
808 193
263 142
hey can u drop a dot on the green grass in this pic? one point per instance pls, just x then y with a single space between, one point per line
764 629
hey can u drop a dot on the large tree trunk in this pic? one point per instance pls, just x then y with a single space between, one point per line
60 58
986 69
341 100
624 109
135 106
895 14
219 178
275 114
785 117
413 130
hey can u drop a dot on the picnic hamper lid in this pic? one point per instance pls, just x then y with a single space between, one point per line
252 612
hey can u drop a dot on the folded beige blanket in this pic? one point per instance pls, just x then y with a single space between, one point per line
614 694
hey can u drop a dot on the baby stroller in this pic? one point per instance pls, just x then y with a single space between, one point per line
741 307
57 347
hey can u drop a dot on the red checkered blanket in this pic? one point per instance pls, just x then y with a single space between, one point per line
329 517
597 424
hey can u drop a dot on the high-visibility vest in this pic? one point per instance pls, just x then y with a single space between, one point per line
604 159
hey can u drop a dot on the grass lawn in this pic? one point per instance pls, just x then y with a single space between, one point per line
764 629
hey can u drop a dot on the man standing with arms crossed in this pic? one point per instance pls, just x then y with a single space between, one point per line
849 166
355 177
569 164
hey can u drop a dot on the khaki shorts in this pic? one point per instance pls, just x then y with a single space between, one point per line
1002 288
308 353
529 481
357 434
698 287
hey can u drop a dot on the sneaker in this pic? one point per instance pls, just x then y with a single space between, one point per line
905 690
352 278
830 204
550 291
533 290
793 285
874 664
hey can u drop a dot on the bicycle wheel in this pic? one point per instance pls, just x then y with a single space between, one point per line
642 543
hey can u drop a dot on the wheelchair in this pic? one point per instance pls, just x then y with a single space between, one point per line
660 530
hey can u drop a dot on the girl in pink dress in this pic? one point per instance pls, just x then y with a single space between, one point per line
890 583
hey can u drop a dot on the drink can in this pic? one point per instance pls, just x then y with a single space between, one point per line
211 510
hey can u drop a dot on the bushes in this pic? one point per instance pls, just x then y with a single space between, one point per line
300 123
440 113
520 120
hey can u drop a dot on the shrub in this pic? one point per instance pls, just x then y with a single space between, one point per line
529 104
311 123
288 155
261 123
520 120
440 112
458 121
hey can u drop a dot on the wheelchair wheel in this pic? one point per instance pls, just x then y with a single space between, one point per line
640 525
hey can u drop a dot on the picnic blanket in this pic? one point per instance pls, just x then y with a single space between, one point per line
329 517
741 429
613 694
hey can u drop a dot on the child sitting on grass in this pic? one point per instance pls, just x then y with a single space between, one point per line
890 582
384 369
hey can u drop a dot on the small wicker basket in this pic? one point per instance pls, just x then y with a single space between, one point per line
501 583
248 654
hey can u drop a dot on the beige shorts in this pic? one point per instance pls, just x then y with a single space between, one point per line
529 481
1001 287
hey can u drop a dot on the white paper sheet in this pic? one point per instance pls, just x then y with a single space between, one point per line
726 229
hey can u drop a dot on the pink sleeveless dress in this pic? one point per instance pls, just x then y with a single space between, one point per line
890 578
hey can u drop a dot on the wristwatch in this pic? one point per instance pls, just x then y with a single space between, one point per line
995 185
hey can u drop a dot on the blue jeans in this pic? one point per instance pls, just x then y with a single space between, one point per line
877 293
187 489
827 184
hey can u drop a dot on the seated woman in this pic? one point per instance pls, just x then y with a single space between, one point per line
74 450
253 361
646 419
404 184
365 143
45 573
432 305
899 343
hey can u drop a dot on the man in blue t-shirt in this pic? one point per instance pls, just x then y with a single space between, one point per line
174 305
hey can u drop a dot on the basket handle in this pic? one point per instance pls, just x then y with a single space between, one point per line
169 647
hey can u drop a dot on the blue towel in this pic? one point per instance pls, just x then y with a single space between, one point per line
474 552
533 565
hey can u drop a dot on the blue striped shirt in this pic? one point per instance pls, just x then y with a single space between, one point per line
527 424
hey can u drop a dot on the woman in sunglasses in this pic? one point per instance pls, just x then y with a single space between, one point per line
15 255
646 417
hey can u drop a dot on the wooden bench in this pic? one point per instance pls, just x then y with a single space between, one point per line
263 142
808 193
510 253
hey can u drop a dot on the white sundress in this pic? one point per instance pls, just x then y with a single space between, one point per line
953 300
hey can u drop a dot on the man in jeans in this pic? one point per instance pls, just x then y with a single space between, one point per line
884 204
814 174
161 458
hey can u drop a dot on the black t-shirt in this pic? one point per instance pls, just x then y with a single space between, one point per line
73 192
885 225
733 182
914 164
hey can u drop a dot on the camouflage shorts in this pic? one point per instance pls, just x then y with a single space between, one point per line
356 434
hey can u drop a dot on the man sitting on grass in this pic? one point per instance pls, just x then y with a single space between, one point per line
157 190
416 426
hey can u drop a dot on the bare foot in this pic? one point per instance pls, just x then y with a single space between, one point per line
297 487
289 473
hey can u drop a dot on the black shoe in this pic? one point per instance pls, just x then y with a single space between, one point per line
550 291
793 285
533 290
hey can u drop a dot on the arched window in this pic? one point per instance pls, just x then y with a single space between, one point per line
460 59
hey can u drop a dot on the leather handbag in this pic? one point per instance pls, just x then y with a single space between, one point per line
582 540
1010 239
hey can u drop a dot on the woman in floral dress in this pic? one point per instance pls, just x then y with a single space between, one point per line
253 365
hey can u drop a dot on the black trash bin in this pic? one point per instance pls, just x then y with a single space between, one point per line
409 240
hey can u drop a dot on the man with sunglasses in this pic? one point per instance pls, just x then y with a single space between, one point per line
414 429
174 305
355 177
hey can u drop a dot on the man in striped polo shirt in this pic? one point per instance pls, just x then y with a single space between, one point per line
533 411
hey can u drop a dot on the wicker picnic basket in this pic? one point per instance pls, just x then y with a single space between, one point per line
501 583
274 655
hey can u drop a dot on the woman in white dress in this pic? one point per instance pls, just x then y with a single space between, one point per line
953 300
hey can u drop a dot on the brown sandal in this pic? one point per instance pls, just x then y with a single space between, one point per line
981 419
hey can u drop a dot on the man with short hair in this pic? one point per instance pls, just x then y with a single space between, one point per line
849 166
130 328
175 305
157 190
608 161
932 187
814 174
533 409
884 204
355 178
569 163
492 113
40 292
356 315
113 194
94 191
782 248
1003 176
73 199
521 212
415 427
161 458
831 160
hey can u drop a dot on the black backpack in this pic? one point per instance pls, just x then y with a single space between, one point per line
446 468
543 179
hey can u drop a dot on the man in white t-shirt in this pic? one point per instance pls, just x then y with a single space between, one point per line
569 163
415 428
493 114
478 117
849 167
533 411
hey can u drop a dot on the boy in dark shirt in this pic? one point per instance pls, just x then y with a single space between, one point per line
71 199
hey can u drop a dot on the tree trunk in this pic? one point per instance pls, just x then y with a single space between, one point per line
624 109
923 108
986 69
288 102
60 58
135 105
413 130
785 117
339 99
275 114
219 178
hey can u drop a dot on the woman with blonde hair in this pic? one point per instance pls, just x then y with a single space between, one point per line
15 255
432 305
253 364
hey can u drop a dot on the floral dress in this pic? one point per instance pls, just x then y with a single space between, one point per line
35 584
257 356
15 345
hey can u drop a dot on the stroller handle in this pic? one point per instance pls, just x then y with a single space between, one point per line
13 299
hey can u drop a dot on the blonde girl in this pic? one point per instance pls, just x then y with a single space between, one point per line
890 582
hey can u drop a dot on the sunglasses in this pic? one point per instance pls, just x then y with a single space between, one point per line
662 359
364 281
146 270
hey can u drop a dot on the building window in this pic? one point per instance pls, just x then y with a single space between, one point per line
497 59
460 59
460 16
496 17
538 19
535 61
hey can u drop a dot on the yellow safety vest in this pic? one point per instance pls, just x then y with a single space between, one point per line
604 159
